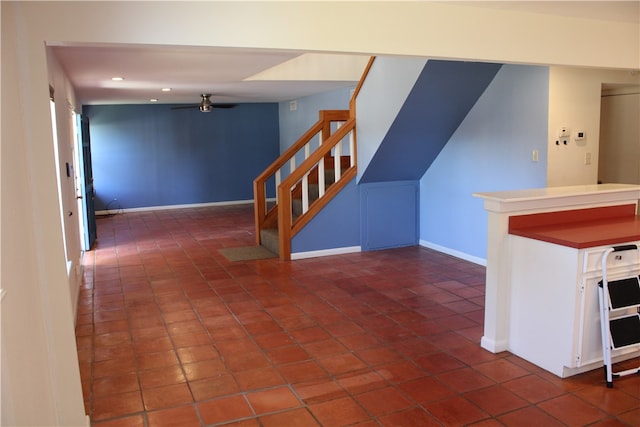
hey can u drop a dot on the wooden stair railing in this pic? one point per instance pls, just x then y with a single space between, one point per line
330 152
287 225
266 217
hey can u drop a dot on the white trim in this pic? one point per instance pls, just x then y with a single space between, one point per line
559 198
453 252
79 270
337 160
305 192
321 182
494 346
2 294
326 252
160 208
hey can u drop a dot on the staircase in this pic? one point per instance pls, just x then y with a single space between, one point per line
269 237
302 194
327 150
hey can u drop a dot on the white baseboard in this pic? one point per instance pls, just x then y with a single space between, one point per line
187 206
326 252
79 270
453 252
493 346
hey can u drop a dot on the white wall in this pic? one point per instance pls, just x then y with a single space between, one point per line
40 382
574 102
65 103
40 375
428 29
294 123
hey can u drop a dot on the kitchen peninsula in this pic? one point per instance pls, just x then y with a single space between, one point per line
543 264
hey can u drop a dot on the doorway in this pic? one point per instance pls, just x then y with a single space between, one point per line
619 151
84 182
52 106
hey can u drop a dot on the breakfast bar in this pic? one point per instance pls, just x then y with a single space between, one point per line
543 265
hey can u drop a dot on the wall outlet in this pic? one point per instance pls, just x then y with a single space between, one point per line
293 105
587 158
534 155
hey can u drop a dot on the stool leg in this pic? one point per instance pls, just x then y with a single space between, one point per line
607 375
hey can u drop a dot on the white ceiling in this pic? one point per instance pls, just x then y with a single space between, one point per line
252 75
231 75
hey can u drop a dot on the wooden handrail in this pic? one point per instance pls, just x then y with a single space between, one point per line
352 102
318 154
262 218
325 116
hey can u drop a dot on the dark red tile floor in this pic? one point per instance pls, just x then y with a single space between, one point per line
171 333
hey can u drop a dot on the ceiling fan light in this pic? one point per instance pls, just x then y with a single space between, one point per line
205 105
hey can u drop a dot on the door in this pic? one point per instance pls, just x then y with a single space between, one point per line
86 183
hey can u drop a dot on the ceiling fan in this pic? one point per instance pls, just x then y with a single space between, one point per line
205 105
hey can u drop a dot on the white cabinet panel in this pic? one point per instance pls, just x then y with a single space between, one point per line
554 318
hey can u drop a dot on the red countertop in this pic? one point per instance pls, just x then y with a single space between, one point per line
586 234
585 231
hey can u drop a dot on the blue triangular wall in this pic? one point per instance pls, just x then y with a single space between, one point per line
442 96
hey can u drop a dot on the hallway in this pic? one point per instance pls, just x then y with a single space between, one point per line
171 333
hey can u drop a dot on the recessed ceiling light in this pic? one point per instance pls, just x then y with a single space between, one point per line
117 79
166 89
153 100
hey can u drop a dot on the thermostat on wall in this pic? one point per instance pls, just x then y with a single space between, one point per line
563 132
579 135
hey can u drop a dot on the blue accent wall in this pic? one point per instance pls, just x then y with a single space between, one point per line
151 155
441 97
490 151
389 214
